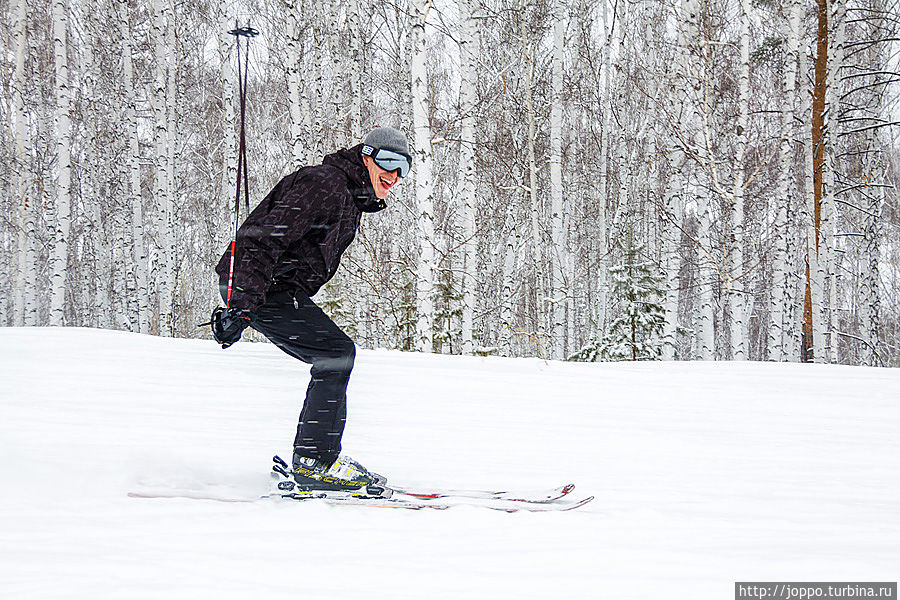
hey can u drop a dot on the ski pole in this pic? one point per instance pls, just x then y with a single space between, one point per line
240 32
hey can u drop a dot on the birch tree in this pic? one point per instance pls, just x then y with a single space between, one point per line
173 264
736 276
658 120
558 291
63 129
673 199
132 166
20 189
537 245
695 124
469 49
779 306
163 266
358 40
829 217
317 98
423 180
870 278
606 115
868 112
229 173
97 250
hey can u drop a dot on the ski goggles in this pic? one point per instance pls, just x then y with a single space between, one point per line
388 159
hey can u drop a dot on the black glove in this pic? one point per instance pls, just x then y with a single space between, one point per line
228 324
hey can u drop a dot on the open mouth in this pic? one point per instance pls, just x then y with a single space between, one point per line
387 184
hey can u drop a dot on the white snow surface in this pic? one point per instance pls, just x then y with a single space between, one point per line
704 474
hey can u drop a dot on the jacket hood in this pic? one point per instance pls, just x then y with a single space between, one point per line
349 160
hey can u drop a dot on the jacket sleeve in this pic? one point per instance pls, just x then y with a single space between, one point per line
284 217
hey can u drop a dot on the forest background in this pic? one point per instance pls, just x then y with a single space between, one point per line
600 180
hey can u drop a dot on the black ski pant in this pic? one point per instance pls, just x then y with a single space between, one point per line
294 323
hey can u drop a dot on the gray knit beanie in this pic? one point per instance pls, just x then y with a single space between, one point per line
387 138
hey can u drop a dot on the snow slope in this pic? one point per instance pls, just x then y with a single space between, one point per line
704 474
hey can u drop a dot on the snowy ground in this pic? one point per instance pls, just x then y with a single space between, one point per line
704 474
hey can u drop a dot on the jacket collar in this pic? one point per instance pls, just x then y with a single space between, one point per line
349 160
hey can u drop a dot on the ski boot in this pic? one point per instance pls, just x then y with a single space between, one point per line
312 475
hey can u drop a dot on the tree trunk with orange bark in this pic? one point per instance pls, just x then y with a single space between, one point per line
813 338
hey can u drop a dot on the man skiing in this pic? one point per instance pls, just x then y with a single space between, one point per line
289 246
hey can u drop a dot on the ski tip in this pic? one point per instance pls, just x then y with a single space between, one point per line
567 489
579 504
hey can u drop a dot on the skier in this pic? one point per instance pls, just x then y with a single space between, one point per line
289 246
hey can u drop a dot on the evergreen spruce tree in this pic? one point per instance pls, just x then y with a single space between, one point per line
589 353
406 315
332 302
447 314
636 333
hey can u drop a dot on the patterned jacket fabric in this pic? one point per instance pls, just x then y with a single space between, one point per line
293 240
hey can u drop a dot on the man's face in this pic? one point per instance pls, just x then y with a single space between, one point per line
383 181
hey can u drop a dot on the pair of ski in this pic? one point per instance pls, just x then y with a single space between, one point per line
556 499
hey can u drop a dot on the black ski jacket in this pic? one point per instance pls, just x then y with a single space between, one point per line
295 238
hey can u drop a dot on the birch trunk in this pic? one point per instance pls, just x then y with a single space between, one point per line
695 80
623 196
423 182
706 308
870 278
173 52
317 102
162 47
469 51
671 263
133 169
603 203
870 301
512 246
572 321
24 220
829 214
736 281
339 105
677 190
97 308
357 66
230 146
805 220
779 307
706 343
617 135
59 257
35 188
307 98
796 287
558 255
537 256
